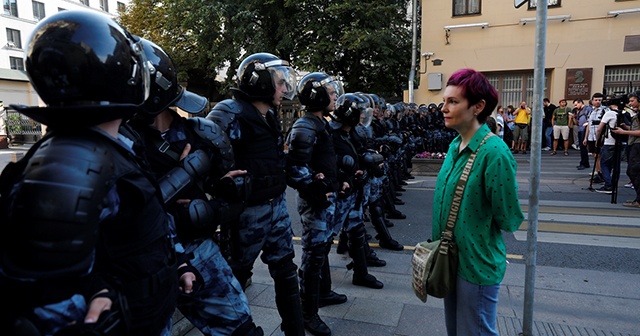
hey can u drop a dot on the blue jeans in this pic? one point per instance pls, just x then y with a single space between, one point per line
606 164
472 310
547 135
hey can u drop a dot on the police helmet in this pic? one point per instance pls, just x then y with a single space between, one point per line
259 74
315 90
366 116
349 108
165 90
86 68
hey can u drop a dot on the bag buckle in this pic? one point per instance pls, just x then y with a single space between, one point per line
164 147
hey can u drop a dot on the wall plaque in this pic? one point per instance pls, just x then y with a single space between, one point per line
578 84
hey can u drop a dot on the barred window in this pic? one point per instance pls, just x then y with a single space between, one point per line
466 7
550 3
621 79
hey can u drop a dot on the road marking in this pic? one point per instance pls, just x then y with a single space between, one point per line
603 230
580 239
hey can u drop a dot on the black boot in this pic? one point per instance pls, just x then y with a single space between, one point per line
383 236
310 290
372 257
288 298
361 276
388 223
327 296
390 207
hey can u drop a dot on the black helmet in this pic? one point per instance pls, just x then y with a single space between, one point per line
165 90
86 68
313 91
259 73
348 109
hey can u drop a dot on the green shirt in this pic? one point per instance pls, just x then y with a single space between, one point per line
562 116
489 204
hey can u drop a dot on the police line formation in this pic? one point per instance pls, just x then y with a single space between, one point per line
126 210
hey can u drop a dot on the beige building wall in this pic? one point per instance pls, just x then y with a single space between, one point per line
589 39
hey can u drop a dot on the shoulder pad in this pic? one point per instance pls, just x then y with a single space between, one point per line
301 140
57 207
225 112
209 130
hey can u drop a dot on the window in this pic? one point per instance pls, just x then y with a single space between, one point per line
551 3
104 5
60 9
17 63
85 2
466 7
621 79
13 38
10 7
121 7
38 10
513 87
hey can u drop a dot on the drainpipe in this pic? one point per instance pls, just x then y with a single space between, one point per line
414 47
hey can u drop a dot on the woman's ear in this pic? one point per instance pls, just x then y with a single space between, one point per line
480 106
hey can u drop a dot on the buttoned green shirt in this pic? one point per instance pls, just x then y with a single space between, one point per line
489 205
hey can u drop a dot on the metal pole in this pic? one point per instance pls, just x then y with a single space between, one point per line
534 190
414 47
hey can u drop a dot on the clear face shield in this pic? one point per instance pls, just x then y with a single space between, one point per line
366 116
333 88
283 74
142 66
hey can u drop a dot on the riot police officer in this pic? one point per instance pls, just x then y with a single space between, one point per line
212 298
349 206
85 244
312 170
264 226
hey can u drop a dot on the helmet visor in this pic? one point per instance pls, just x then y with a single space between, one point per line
334 89
142 68
366 116
283 75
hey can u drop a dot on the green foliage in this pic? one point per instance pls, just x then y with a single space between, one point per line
367 44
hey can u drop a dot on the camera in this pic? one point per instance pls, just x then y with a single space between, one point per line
620 100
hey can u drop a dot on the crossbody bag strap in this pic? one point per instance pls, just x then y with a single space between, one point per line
447 234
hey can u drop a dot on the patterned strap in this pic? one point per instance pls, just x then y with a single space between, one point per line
447 235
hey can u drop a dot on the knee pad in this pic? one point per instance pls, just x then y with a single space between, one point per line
248 328
283 268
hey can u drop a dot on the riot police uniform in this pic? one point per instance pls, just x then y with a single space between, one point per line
216 304
312 170
264 226
82 219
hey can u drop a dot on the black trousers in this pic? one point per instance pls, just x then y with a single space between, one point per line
633 168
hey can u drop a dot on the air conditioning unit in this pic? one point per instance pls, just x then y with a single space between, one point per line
10 44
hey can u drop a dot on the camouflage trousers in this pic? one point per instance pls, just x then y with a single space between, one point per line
347 215
375 188
220 306
262 228
317 226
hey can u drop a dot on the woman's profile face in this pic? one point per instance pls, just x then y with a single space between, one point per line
457 112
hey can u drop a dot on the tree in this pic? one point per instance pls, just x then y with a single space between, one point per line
367 44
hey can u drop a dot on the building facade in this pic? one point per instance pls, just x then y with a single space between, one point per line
591 46
17 21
